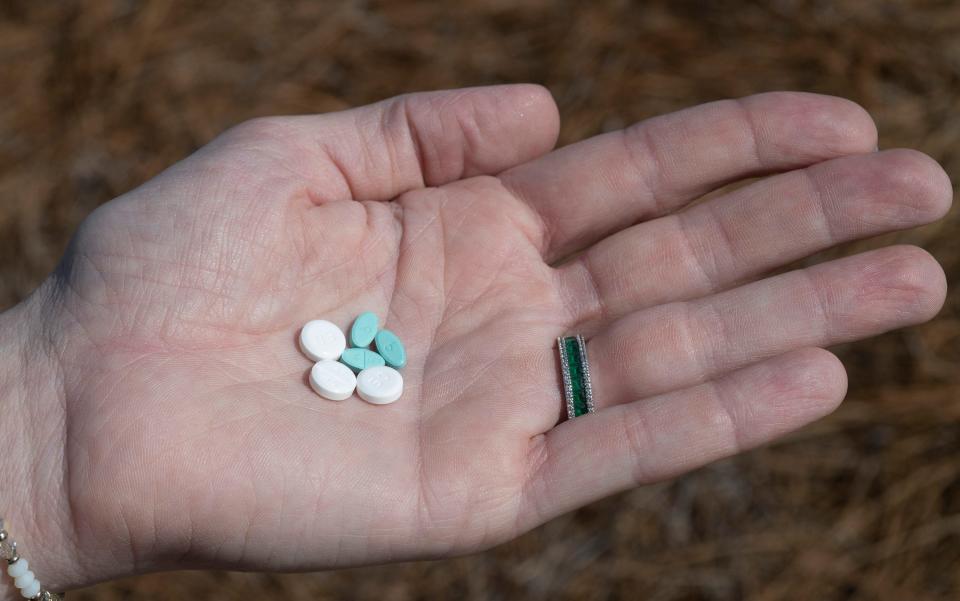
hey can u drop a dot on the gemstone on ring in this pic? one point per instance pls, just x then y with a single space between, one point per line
577 387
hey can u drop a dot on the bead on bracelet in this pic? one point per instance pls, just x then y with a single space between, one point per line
18 568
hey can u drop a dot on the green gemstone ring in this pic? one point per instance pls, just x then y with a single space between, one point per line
577 389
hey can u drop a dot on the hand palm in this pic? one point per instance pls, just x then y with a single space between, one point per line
198 428
234 441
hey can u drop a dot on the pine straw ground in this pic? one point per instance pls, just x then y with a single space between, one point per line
99 96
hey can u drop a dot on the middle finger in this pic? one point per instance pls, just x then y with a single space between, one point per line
727 240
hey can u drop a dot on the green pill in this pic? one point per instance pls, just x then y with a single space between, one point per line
364 329
391 349
359 359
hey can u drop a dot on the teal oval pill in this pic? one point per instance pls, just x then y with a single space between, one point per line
364 329
359 359
391 349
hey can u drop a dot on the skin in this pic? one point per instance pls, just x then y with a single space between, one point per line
156 409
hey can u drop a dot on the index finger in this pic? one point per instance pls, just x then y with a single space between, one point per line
588 190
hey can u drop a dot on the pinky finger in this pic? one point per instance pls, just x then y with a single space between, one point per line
621 447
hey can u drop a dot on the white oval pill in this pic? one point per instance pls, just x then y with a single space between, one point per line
320 339
380 385
332 380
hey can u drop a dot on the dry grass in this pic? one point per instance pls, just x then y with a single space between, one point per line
101 95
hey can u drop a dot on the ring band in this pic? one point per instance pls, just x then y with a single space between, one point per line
577 388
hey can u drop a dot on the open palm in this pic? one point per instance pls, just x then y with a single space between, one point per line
193 438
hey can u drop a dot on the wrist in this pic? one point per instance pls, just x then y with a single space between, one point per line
33 468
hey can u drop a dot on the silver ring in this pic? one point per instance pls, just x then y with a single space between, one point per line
575 369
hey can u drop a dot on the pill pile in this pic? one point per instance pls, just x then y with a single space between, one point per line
339 371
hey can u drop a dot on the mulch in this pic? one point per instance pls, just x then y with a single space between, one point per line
99 96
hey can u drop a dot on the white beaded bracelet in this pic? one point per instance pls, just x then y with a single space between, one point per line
19 570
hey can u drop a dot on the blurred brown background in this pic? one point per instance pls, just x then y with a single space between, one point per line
99 96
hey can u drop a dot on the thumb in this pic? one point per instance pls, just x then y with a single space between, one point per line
379 151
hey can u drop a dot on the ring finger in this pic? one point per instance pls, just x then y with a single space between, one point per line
684 343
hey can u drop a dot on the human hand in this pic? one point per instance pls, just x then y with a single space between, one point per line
181 432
